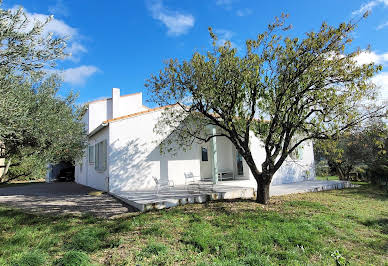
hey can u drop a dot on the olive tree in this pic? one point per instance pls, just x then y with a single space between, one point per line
37 126
283 90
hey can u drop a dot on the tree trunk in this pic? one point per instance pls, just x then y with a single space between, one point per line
5 171
263 180
340 173
262 195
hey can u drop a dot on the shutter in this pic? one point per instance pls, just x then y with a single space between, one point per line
104 155
96 159
100 156
91 154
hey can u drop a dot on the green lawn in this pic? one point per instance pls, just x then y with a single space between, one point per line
333 177
295 229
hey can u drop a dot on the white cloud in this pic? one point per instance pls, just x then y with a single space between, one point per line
55 26
224 36
58 28
227 4
78 75
59 9
244 12
369 6
176 22
224 2
75 49
367 57
365 7
381 80
383 25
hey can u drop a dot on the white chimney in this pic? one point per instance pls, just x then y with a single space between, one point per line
115 102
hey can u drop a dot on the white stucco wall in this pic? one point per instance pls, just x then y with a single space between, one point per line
224 154
291 170
87 174
299 169
98 112
134 156
130 104
101 110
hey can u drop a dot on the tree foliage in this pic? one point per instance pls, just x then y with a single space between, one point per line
361 150
37 126
284 91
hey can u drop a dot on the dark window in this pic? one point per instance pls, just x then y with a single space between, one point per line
240 170
204 155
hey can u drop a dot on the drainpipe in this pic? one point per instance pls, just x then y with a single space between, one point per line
214 148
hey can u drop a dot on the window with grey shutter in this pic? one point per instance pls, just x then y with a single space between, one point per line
91 154
101 156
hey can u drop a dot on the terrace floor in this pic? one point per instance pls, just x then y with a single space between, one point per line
204 191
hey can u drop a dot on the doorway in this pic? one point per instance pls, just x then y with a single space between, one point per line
206 162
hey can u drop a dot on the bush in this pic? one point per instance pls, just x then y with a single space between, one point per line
27 168
74 258
88 240
378 174
31 258
322 168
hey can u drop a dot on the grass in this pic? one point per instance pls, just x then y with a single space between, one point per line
15 183
315 228
333 177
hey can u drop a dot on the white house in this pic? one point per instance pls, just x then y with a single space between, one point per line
124 154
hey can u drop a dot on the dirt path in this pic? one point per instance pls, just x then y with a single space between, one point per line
61 198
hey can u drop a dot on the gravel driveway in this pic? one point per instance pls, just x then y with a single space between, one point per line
61 198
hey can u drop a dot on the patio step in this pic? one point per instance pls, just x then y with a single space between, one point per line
161 201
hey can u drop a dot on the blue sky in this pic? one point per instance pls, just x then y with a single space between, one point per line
120 43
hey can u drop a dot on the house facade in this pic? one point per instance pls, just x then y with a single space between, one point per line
124 152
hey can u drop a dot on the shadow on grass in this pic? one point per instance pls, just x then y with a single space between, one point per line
367 191
381 224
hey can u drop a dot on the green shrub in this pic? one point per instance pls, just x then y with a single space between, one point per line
322 168
30 258
74 258
88 240
27 167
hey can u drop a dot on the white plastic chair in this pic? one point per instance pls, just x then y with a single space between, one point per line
162 184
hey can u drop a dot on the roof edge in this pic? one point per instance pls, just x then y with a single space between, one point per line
138 113
97 129
107 122
109 98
